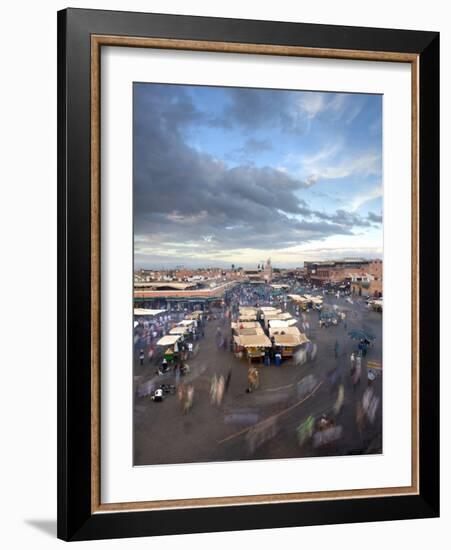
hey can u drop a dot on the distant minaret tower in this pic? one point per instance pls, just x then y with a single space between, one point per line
268 270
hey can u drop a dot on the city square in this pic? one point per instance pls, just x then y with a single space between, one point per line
312 383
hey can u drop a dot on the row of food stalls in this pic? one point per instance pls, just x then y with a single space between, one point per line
279 289
306 301
182 331
281 338
327 317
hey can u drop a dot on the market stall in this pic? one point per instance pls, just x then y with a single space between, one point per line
248 317
247 314
169 342
276 315
278 324
286 343
249 331
143 312
245 324
317 302
196 315
179 330
273 331
284 316
277 321
253 345
187 323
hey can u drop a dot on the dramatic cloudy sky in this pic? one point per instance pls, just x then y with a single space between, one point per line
237 175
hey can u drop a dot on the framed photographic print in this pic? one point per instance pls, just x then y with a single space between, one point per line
248 274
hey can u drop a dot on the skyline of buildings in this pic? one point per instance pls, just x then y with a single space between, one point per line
320 270
248 265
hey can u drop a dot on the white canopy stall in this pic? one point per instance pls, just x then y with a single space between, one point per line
143 312
277 321
186 322
244 324
178 330
169 340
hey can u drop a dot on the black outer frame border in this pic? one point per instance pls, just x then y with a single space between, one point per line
75 521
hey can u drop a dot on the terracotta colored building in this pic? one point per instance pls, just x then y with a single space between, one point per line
363 274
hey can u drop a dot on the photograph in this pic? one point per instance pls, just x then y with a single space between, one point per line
257 273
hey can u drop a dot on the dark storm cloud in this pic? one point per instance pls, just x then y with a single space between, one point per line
170 106
252 109
375 218
183 195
